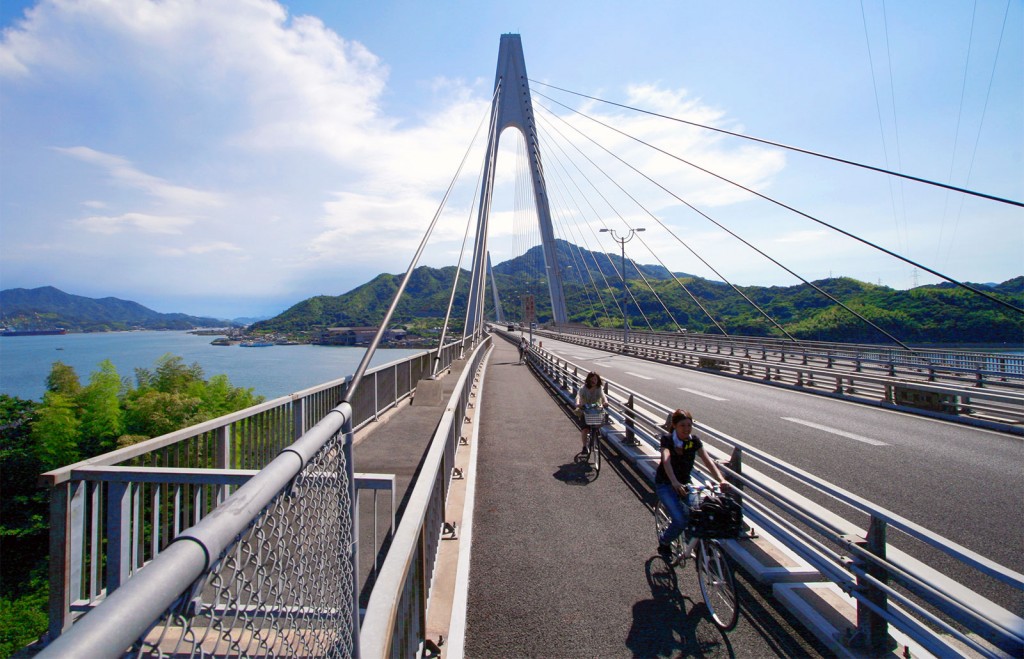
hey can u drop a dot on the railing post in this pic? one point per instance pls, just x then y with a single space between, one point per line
630 424
872 629
298 417
223 447
64 497
118 534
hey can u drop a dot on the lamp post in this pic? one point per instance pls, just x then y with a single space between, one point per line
625 292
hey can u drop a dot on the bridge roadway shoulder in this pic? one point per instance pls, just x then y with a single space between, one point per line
563 566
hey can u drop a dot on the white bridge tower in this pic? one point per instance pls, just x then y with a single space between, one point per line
512 108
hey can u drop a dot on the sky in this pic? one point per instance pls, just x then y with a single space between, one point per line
231 158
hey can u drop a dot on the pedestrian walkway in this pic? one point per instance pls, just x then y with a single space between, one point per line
563 565
396 445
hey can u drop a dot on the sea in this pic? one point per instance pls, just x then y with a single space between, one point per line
25 361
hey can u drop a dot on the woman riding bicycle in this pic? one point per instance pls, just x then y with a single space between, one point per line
591 393
679 448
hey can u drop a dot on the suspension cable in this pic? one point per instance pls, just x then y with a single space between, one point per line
742 240
557 218
778 144
357 377
777 203
458 266
601 220
679 239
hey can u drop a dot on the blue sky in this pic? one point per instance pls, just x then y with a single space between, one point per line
235 157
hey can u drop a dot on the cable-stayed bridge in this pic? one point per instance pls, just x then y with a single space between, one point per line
435 506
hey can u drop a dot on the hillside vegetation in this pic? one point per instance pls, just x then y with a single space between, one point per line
927 314
48 307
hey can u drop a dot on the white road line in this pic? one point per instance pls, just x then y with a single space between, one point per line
843 433
701 393
637 375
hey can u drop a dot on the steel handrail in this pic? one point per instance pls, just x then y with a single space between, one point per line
377 633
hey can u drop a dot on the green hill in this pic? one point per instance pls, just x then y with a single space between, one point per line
928 314
48 307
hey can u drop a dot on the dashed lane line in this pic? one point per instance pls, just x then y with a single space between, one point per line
701 393
834 431
637 375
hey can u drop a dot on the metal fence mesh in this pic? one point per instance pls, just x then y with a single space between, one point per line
284 588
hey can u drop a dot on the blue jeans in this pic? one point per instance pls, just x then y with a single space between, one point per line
678 510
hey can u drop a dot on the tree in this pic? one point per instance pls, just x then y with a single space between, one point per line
56 432
102 418
63 380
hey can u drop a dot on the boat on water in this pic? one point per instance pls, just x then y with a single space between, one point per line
256 344
34 332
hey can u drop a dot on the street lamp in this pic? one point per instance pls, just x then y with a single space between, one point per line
625 292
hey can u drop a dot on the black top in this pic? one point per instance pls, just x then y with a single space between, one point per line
682 458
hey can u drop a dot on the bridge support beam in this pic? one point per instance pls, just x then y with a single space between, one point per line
513 108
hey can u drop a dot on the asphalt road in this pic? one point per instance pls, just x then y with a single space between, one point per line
564 565
961 482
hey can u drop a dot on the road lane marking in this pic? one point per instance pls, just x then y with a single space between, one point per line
843 433
637 375
701 393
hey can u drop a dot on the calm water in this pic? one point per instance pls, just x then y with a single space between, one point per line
25 361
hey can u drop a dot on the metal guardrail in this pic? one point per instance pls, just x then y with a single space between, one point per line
890 586
395 621
991 365
115 514
950 383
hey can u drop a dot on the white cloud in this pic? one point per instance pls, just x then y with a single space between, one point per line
810 236
138 221
123 173
250 133
205 248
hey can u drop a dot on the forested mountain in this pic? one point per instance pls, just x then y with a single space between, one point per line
934 314
48 307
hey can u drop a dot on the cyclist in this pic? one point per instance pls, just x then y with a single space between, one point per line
522 349
591 393
679 449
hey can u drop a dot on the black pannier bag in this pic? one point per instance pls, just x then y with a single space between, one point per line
716 517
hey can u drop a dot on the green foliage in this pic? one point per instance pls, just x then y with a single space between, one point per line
63 380
73 423
932 314
23 529
102 417
56 431
22 505
23 618
48 307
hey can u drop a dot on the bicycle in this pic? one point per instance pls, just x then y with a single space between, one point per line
593 417
717 584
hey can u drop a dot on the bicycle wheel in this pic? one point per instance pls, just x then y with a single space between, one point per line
717 585
595 450
661 522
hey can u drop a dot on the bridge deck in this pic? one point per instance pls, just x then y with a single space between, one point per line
565 567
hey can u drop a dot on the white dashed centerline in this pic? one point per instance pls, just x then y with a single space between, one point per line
834 431
701 393
637 375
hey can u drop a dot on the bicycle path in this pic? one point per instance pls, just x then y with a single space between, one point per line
565 566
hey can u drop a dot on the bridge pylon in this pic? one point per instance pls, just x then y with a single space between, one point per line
512 107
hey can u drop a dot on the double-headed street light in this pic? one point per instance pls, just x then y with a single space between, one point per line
625 292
